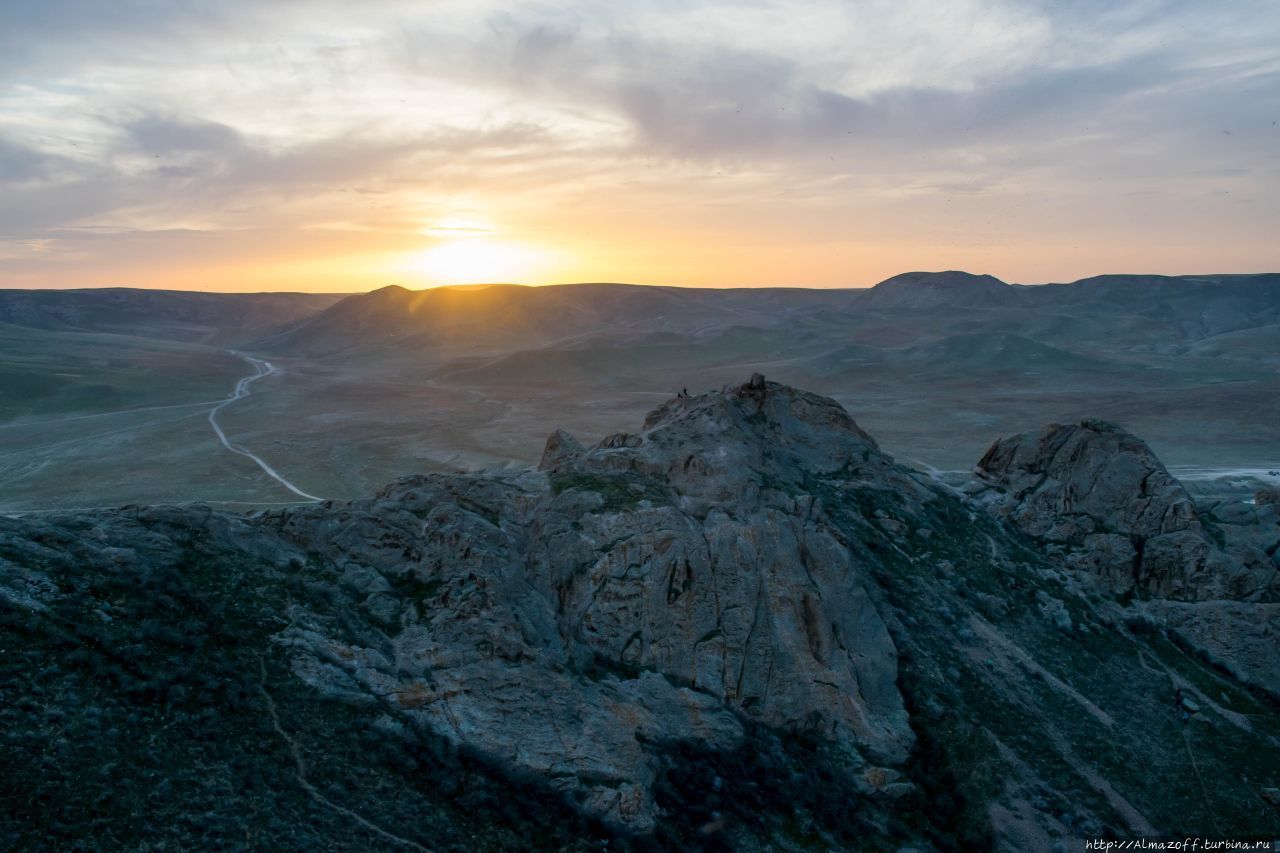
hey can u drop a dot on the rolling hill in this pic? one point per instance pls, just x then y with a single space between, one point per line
220 318
395 380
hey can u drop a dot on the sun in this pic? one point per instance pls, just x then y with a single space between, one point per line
479 260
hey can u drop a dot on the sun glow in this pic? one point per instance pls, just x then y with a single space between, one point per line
480 260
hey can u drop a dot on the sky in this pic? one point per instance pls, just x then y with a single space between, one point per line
338 146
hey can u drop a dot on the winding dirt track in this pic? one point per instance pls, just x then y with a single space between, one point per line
261 369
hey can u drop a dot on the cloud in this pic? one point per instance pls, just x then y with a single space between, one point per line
20 164
160 169
160 116
165 135
697 100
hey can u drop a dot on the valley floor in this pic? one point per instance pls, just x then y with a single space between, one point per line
324 429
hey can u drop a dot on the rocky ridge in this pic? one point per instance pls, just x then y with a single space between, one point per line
1102 504
743 625
1100 495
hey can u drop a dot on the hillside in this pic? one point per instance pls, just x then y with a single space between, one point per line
454 319
397 380
1144 309
915 290
45 373
742 626
220 318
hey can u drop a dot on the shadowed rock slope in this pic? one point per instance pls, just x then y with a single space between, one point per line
1100 502
743 626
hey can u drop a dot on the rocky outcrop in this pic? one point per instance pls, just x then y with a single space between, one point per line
716 575
1242 638
1241 633
679 553
1099 496
742 626
1107 509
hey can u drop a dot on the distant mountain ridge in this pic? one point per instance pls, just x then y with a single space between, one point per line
307 319
513 316
931 289
168 314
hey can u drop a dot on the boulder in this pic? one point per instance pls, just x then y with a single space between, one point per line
1100 495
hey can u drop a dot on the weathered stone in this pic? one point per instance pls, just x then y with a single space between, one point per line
727 579
688 553
561 448
1102 495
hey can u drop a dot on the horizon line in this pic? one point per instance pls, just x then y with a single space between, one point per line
598 283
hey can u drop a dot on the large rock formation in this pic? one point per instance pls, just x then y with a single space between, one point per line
1100 494
1107 508
743 624
677 558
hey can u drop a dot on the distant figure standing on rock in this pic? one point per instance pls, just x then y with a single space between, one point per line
756 383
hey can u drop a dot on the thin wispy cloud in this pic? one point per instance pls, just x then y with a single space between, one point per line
718 143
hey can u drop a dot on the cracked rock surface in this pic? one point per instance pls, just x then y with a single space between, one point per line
1099 494
743 625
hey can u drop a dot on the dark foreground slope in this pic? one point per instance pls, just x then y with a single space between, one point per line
742 627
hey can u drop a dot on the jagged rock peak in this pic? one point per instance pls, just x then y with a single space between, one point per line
723 447
1066 481
1098 493
691 560
561 447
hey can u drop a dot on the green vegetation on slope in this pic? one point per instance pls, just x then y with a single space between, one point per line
45 373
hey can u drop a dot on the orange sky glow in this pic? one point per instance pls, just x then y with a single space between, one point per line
311 146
